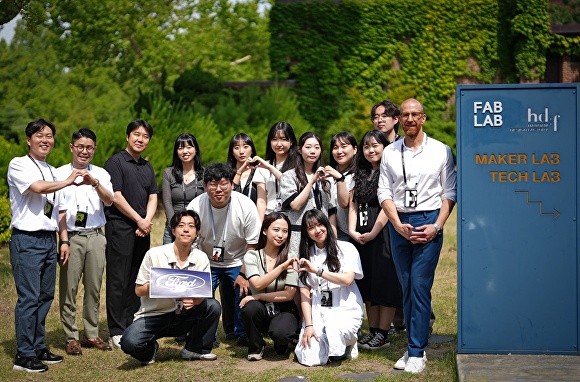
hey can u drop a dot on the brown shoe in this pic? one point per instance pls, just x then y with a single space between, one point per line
73 348
95 342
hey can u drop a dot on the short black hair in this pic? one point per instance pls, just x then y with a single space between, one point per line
135 124
176 218
37 125
217 171
84 133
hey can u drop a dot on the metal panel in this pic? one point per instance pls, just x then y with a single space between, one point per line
517 148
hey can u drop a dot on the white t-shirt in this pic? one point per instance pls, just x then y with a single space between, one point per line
27 207
263 175
164 257
84 198
243 227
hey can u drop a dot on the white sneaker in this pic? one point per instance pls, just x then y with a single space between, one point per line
115 341
416 365
190 355
352 351
402 362
256 356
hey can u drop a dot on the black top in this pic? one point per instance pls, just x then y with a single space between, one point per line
135 180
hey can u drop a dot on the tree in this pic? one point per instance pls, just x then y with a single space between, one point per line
32 11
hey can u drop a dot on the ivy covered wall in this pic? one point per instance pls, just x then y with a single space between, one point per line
406 48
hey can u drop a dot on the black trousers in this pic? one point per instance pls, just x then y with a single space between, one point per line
282 329
124 254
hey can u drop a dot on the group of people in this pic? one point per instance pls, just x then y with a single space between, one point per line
298 249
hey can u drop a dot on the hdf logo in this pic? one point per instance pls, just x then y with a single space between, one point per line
487 114
542 120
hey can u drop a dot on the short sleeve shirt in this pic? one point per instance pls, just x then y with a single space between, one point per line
255 266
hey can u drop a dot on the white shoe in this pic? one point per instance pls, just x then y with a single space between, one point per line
190 355
352 351
402 362
115 341
256 356
416 365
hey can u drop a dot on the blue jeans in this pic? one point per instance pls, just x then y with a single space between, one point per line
33 258
200 322
415 265
230 277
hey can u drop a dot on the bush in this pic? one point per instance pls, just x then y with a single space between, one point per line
4 220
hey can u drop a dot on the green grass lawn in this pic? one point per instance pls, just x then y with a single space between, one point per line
96 365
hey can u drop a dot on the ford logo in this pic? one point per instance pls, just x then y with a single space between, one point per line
180 282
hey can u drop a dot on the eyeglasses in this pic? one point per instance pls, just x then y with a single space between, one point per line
214 186
415 116
81 148
378 117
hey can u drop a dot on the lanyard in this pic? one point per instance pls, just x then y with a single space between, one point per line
76 190
249 185
320 279
37 166
265 268
317 194
225 225
185 201
404 172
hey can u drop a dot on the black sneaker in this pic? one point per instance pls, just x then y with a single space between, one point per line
280 349
28 364
243 341
47 357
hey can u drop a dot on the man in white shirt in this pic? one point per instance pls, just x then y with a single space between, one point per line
417 191
34 206
231 227
195 317
83 211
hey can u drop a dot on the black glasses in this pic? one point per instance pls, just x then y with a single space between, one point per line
81 148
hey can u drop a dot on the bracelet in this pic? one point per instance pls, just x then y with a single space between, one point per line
341 179
319 272
96 185
64 242
239 173
243 275
307 326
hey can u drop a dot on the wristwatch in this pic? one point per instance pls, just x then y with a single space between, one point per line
439 229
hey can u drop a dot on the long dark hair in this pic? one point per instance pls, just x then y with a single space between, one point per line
283 250
176 166
245 138
363 186
285 129
315 216
299 167
346 137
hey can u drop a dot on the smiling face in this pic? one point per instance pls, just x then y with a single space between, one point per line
280 144
186 152
185 231
317 232
412 117
373 152
219 192
83 151
41 143
310 151
343 153
137 141
277 232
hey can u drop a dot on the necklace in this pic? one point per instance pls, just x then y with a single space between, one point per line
189 177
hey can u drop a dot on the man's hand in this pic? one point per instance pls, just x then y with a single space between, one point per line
64 254
243 284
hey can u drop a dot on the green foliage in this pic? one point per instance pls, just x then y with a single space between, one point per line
5 231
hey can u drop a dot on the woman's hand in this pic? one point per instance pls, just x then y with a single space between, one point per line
330 171
319 175
306 266
247 299
309 332
357 236
258 162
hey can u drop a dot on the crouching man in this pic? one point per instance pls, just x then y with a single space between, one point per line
168 317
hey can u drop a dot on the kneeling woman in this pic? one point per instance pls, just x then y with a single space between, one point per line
331 303
273 282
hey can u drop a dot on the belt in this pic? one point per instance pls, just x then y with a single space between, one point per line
89 232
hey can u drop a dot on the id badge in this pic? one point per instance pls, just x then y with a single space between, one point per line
363 215
326 299
272 309
48 207
410 197
81 219
278 206
217 254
